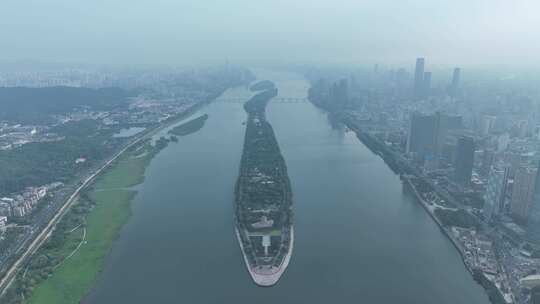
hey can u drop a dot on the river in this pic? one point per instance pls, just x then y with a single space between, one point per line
359 237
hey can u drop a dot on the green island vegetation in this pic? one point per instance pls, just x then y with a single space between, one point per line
65 267
263 190
262 85
458 218
189 127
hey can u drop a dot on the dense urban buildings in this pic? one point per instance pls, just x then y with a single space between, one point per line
533 218
469 150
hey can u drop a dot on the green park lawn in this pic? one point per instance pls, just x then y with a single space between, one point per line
75 276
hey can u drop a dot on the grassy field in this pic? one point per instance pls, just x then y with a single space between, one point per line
75 276
72 240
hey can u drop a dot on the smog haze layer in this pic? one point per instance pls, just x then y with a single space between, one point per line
192 32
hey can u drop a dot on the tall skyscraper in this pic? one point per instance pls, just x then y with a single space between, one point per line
402 78
422 134
419 77
426 87
446 123
339 94
487 161
514 160
523 192
454 86
495 191
464 160
343 91
428 133
487 123
533 218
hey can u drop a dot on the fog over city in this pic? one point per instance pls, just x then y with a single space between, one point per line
269 151
191 32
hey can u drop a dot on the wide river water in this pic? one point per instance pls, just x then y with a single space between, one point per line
359 237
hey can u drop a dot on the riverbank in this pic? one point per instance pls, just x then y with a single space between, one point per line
401 169
397 164
33 244
74 277
495 294
431 213
345 223
25 289
112 196
10 294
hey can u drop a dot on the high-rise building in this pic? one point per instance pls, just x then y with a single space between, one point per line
419 77
522 128
487 161
533 217
464 160
502 142
487 123
402 78
344 89
495 191
339 94
426 87
523 192
428 133
422 134
454 86
445 123
514 160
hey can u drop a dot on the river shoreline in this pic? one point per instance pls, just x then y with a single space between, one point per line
110 165
113 194
351 216
406 172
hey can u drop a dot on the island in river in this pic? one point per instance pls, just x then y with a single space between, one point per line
189 127
263 206
262 85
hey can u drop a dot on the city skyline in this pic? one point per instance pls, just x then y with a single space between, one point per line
271 151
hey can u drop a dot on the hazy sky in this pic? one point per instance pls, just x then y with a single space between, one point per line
452 32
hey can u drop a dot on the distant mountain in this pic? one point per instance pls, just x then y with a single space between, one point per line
36 105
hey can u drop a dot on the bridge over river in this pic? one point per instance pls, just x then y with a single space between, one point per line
274 100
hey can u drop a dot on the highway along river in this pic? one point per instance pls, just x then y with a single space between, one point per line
359 237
